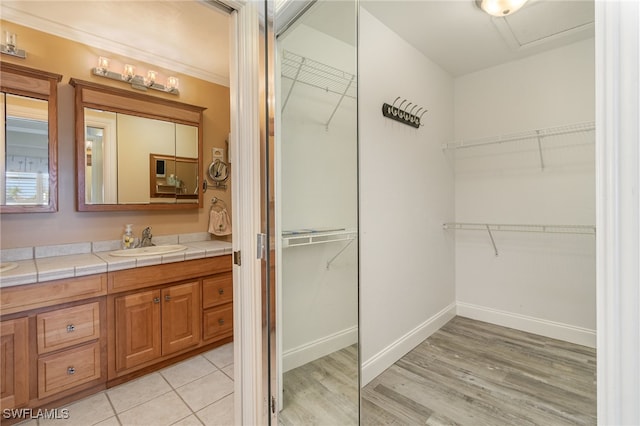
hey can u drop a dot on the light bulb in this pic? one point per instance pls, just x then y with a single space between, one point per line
103 65
129 72
172 83
500 7
151 78
11 39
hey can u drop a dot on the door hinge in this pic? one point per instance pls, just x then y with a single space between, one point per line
237 259
273 404
261 244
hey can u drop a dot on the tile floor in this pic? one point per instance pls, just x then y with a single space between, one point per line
198 391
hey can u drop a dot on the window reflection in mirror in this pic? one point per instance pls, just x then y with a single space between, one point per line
25 174
118 148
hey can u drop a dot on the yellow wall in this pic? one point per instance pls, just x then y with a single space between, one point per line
71 59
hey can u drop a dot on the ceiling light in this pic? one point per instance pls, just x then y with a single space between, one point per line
500 7
128 75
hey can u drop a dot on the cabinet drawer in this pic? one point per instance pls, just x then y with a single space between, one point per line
218 322
64 370
217 290
67 327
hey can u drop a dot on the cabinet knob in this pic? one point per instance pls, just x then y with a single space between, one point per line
220 321
167 297
71 328
221 291
71 370
156 300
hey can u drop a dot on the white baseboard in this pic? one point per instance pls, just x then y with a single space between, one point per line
555 330
384 359
318 348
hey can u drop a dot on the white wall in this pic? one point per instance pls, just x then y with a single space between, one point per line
406 193
539 282
317 189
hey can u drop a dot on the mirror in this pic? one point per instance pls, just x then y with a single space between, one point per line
316 180
117 149
29 140
218 172
143 155
173 177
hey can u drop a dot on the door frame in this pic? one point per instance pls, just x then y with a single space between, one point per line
244 147
618 211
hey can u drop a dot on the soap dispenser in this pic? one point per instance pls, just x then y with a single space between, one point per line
128 240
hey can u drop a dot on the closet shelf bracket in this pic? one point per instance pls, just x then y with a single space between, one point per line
326 126
493 242
346 246
539 137
295 80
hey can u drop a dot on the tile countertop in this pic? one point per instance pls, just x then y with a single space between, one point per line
76 260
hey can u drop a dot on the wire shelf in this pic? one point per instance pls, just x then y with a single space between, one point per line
489 228
550 229
529 135
305 237
316 74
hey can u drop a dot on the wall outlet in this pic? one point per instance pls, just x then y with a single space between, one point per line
217 154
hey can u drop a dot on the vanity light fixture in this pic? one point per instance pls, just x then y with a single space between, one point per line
10 46
500 7
128 75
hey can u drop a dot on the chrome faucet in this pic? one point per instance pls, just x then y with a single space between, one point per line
146 237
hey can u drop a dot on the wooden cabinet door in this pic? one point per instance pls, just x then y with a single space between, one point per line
14 371
181 317
137 322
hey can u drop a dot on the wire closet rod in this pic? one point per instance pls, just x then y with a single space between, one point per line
535 134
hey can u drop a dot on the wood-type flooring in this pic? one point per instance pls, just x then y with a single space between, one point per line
467 373
475 373
322 392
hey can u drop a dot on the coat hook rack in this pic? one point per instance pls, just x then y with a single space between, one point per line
406 115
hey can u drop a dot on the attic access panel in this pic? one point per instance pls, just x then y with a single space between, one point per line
545 21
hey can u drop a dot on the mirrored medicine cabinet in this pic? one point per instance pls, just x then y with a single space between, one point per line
28 157
135 151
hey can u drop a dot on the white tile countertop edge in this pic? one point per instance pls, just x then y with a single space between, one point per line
49 263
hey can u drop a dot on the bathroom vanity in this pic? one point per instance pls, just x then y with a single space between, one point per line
67 338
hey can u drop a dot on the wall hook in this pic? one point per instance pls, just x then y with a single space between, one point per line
403 115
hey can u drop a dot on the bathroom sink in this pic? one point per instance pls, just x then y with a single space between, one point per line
149 251
7 266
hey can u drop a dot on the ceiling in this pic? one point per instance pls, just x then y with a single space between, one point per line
462 39
192 36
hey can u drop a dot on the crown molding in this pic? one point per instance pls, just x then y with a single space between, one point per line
108 45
